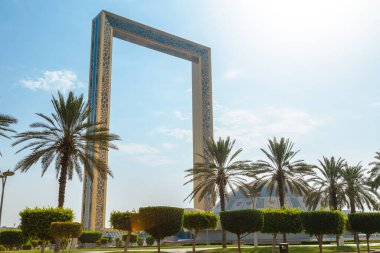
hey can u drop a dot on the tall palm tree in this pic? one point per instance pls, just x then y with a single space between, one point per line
68 138
5 122
375 171
357 191
327 189
281 173
218 173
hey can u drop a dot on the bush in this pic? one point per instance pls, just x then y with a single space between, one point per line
89 236
11 238
133 238
65 230
34 243
2 248
27 247
35 223
104 240
149 240
140 242
127 221
319 223
242 221
281 221
196 221
367 223
161 221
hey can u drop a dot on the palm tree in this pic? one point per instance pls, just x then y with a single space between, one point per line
375 171
357 191
217 173
68 138
281 173
327 189
5 122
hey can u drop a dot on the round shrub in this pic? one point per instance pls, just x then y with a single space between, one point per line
89 236
149 240
11 238
319 223
140 242
161 221
2 248
26 246
36 222
133 238
242 221
104 240
66 230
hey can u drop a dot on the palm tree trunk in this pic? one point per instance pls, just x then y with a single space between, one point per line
62 183
356 236
223 208
281 196
334 203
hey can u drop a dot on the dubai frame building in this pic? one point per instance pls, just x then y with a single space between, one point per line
105 26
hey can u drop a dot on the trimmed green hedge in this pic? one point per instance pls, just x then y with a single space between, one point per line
149 240
367 223
89 236
132 239
242 221
65 230
161 221
11 238
319 223
35 223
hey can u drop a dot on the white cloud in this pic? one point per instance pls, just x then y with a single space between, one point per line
62 80
179 115
145 154
168 145
232 74
252 129
178 133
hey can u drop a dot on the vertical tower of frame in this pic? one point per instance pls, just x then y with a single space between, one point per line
105 26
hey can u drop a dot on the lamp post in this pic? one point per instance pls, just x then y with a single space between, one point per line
3 177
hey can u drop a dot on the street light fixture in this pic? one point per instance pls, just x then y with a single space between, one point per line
4 177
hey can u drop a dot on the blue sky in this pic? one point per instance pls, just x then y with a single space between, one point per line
308 70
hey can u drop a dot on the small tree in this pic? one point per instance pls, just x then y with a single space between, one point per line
319 223
90 236
12 238
35 223
149 240
281 221
64 231
126 221
132 238
196 221
161 221
367 223
242 222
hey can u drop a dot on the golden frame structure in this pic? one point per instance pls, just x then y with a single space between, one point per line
105 26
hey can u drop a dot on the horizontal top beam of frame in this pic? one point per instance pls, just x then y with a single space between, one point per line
149 37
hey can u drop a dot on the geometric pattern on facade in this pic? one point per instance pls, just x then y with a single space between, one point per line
105 26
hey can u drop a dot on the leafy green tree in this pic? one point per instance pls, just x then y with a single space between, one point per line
11 238
161 221
319 223
367 223
281 221
68 138
64 231
281 173
35 223
196 221
241 222
218 172
126 221
5 122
